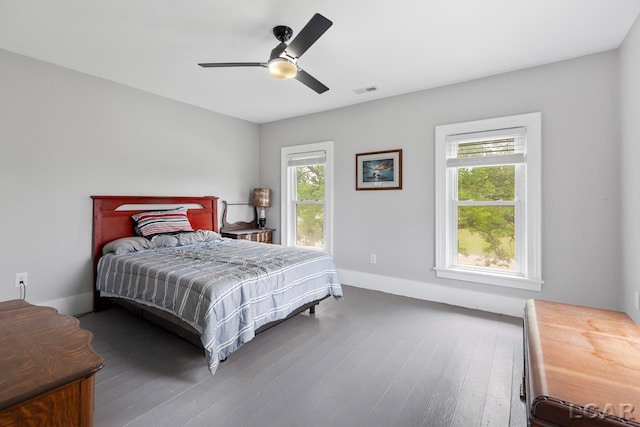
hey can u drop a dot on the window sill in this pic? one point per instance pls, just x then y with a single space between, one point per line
507 281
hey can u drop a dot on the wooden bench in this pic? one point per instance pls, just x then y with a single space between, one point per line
582 366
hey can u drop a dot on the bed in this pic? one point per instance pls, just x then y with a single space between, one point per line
213 291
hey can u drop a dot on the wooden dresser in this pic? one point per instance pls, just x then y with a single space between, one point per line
47 368
582 366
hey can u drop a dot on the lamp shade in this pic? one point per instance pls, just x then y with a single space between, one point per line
262 197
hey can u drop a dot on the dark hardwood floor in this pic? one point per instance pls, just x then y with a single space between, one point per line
370 359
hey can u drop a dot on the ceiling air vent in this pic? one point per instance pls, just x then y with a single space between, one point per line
366 89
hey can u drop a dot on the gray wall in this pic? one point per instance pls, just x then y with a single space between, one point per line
580 189
65 136
630 125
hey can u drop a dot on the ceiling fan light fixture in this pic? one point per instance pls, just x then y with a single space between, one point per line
282 68
283 59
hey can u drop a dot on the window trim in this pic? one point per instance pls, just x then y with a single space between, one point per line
446 231
287 201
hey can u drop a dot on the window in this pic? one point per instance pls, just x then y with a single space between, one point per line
488 201
307 188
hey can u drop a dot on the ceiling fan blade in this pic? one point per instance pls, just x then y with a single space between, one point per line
311 32
233 64
310 81
277 51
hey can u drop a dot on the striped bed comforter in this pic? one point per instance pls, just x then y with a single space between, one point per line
226 289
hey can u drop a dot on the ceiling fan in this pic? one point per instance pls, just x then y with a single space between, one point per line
283 62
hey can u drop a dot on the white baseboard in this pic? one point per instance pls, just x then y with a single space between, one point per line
432 292
83 303
73 305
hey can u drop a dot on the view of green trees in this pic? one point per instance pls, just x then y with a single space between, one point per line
487 232
310 217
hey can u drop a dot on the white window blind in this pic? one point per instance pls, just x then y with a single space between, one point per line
496 147
307 159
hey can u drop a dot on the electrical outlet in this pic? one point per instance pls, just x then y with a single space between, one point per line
372 258
637 300
22 279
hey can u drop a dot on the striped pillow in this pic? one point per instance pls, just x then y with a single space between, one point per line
150 223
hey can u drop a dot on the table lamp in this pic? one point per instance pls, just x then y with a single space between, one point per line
261 200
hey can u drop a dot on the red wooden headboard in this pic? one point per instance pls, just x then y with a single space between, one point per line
110 223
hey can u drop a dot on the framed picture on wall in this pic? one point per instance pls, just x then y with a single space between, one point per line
379 170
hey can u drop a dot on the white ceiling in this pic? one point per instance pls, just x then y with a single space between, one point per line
399 46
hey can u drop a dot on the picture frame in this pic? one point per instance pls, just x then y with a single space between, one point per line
379 170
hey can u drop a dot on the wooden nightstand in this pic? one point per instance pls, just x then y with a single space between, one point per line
245 230
264 235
